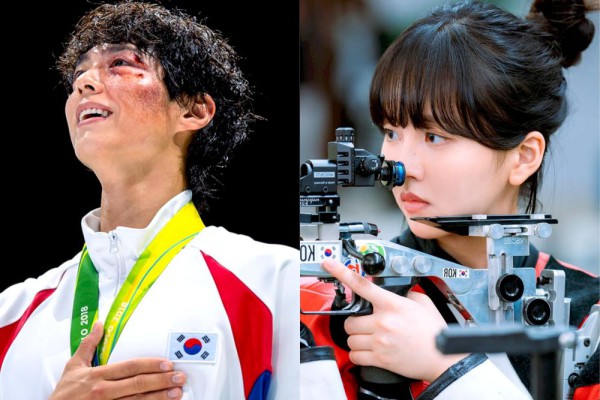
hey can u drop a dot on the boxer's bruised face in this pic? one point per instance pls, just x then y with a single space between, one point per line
119 111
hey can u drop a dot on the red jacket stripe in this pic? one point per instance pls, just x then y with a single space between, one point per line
591 392
251 322
543 259
9 333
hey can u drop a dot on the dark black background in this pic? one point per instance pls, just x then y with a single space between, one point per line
46 191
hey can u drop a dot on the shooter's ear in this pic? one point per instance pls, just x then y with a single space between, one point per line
528 156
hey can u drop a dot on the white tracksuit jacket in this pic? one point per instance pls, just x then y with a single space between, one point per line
222 286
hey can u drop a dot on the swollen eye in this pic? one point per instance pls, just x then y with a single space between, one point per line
119 63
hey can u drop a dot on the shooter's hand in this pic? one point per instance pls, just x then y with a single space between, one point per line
399 335
141 378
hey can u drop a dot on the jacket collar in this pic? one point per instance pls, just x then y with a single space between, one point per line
120 248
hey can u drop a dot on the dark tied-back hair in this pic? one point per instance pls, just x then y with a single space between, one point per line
478 71
196 61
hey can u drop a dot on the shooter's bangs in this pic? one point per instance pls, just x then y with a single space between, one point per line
430 76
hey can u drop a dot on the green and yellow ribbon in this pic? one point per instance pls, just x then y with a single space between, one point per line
152 262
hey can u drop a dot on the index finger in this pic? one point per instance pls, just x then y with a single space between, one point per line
87 348
355 282
136 366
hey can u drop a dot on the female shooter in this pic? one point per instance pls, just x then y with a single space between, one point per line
468 99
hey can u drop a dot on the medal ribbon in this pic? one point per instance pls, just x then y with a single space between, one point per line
154 259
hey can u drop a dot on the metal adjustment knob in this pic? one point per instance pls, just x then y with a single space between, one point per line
536 311
542 230
400 265
373 263
494 231
422 264
510 287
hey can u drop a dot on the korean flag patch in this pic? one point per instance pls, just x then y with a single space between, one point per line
192 347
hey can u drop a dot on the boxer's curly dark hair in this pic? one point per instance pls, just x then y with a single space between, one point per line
196 60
